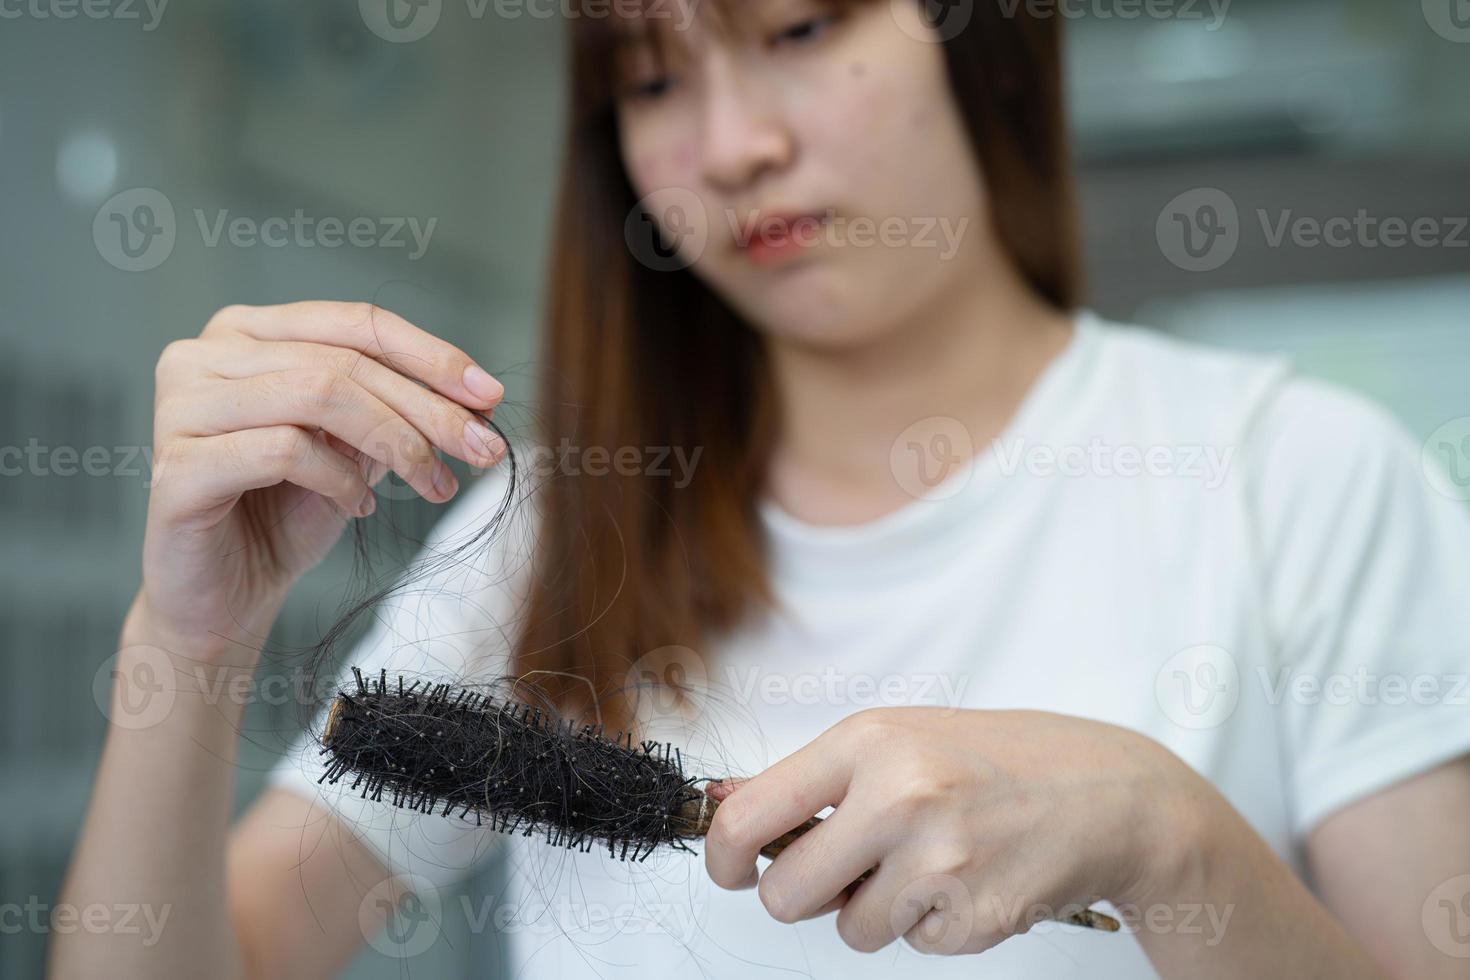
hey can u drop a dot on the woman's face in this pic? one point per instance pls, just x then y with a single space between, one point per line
810 163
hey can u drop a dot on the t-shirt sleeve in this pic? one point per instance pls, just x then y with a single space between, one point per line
453 618
1367 595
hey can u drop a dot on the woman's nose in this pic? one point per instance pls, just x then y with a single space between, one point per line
745 132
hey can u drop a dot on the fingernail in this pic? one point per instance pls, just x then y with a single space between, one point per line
720 790
367 505
444 481
481 385
481 443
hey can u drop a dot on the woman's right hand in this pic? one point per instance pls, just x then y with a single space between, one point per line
270 430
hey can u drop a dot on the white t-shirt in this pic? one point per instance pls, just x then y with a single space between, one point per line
1250 567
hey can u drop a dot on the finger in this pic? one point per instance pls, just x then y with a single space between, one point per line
203 473
880 911
315 399
833 906
372 470
768 805
816 869
447 423
374 331
935 913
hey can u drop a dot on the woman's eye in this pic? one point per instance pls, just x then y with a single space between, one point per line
649 89
804 31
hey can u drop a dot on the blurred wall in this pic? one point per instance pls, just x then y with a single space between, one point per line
1197 138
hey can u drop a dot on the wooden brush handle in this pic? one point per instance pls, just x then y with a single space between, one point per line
701 814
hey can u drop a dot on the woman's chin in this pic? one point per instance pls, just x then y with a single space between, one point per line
814 305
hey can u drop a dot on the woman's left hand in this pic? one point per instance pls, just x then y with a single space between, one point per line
980 824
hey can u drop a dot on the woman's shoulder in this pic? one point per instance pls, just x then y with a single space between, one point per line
1257 404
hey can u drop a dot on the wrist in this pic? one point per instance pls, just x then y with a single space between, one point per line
239 648
1177 843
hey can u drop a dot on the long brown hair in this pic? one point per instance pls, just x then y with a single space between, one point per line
635 357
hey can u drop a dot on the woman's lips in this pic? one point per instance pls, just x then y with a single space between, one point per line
772 239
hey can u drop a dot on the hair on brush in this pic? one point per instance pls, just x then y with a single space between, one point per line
434 746
524 769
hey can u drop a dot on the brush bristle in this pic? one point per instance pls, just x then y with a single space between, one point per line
520 768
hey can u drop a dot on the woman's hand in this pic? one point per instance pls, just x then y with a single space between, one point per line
979 823
270 430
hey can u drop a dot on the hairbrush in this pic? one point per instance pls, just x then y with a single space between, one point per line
523 769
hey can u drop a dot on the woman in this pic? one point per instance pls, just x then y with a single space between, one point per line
1062 588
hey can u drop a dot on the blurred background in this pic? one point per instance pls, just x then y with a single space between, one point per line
1210 142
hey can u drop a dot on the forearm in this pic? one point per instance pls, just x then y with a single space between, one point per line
1229 907
156 828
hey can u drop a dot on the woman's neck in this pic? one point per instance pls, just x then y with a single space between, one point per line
968 359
